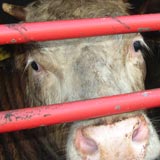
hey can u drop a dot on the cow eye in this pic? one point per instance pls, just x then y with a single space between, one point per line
137 46
35 66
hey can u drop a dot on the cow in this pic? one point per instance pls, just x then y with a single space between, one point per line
79 69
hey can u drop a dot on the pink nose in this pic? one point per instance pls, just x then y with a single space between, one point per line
124 139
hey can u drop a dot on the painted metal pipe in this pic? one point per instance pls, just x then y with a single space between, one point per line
56 30
60 113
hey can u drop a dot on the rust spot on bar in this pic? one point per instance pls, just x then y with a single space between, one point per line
13 41
145 94
8 116
19 28
18 117
118 107
122 23
46 115
144 29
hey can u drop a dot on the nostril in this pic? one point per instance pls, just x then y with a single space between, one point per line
135 135
84 144
141 132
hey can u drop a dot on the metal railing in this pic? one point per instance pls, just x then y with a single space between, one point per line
54 30
27 118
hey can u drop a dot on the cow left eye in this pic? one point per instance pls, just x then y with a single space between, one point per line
35 66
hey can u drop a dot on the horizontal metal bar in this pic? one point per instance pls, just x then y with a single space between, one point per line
55 30
60 113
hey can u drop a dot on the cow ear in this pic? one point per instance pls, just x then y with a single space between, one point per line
15 11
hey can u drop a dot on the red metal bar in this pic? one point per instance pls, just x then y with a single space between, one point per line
59 113
40 31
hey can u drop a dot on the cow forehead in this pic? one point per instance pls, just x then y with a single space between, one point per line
73 9
88 40
67 49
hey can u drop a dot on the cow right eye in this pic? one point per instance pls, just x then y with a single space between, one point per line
35 66
137 46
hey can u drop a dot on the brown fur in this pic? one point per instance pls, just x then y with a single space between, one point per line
67 9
